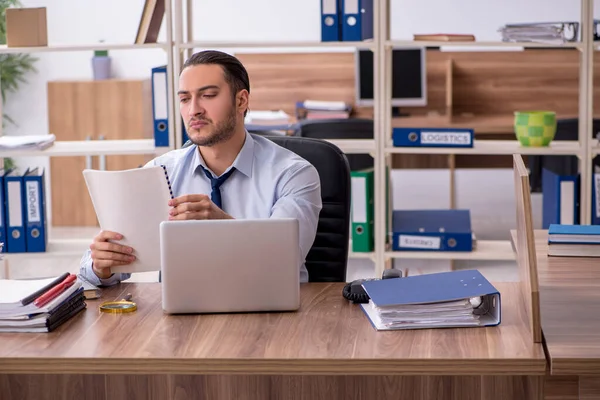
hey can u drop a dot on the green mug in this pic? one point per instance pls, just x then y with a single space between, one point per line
535 128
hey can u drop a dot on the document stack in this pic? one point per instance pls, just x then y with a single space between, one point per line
39 305
439 300
29 142
574 240
548 32
315 109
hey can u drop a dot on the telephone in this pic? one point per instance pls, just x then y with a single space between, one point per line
354 291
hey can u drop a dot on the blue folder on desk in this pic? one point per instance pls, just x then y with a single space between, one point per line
440 300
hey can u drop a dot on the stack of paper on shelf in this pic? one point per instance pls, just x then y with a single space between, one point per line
260 117
541 32
574 240
439 300
317 109
27 142
39 305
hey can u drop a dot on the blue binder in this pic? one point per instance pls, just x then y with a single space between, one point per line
160 106
3 249
432 230
432 137
14 212
560 199
596 199
357 20
330 21
34 194
421 293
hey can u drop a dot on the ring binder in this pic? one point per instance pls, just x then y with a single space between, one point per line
168 181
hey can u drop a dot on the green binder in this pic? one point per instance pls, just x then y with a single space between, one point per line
362 210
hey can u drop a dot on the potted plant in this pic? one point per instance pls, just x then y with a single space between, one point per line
13 67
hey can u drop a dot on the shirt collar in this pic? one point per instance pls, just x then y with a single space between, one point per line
243 162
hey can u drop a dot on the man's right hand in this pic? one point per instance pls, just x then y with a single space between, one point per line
106 254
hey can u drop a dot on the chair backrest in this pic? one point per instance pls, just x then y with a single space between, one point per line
328 258
343 128
525 247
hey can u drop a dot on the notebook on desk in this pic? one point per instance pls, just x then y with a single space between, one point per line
439 300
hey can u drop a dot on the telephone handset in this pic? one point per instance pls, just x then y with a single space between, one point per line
354 291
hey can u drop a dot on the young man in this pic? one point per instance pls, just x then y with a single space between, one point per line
228 173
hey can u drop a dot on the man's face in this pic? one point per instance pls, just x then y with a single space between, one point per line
206 104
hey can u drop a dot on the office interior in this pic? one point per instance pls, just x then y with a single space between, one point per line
477 85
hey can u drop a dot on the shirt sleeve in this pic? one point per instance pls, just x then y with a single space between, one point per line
85 269
299 196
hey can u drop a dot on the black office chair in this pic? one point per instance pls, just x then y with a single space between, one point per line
343 128
328 257
566 129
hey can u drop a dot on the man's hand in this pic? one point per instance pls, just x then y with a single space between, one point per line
106 254
195 206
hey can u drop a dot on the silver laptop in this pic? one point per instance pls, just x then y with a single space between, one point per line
238 265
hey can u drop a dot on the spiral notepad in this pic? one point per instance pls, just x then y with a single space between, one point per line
133 203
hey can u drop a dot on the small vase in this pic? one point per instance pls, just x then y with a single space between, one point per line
101 67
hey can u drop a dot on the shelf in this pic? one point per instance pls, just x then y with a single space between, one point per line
494 147
56 249
82 47
422 43
354 146
486 250
91 148
251 45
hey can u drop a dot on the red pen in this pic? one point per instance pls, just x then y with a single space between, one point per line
55 291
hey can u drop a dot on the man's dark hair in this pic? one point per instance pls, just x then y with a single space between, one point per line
235 73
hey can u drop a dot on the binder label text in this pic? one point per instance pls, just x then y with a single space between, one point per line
419 242
33 206
446 138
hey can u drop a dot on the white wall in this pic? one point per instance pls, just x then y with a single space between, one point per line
115 21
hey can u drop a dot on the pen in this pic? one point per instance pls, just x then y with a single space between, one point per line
55 291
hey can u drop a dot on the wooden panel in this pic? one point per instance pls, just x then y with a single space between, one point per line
328 335
570 308
589 387
526 253
253 387
490 85
127 387
52 387
70 117
561 387
125 112
112 109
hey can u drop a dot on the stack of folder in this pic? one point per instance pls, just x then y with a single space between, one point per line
39 305
440 300
574 240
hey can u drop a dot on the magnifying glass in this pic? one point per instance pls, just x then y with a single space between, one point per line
119 306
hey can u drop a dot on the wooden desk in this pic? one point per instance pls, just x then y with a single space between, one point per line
327 350
570 311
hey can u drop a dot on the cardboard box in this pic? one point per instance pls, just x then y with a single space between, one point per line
26 27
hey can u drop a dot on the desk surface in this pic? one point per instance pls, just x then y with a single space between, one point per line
570 309
328 335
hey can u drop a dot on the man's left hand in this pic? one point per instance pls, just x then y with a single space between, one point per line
195 206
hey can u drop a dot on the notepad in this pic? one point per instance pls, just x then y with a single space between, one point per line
133 203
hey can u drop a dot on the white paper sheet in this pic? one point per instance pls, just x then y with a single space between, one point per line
133 203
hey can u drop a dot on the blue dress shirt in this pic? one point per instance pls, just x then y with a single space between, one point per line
270 182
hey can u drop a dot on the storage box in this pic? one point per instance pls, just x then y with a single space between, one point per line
26 27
